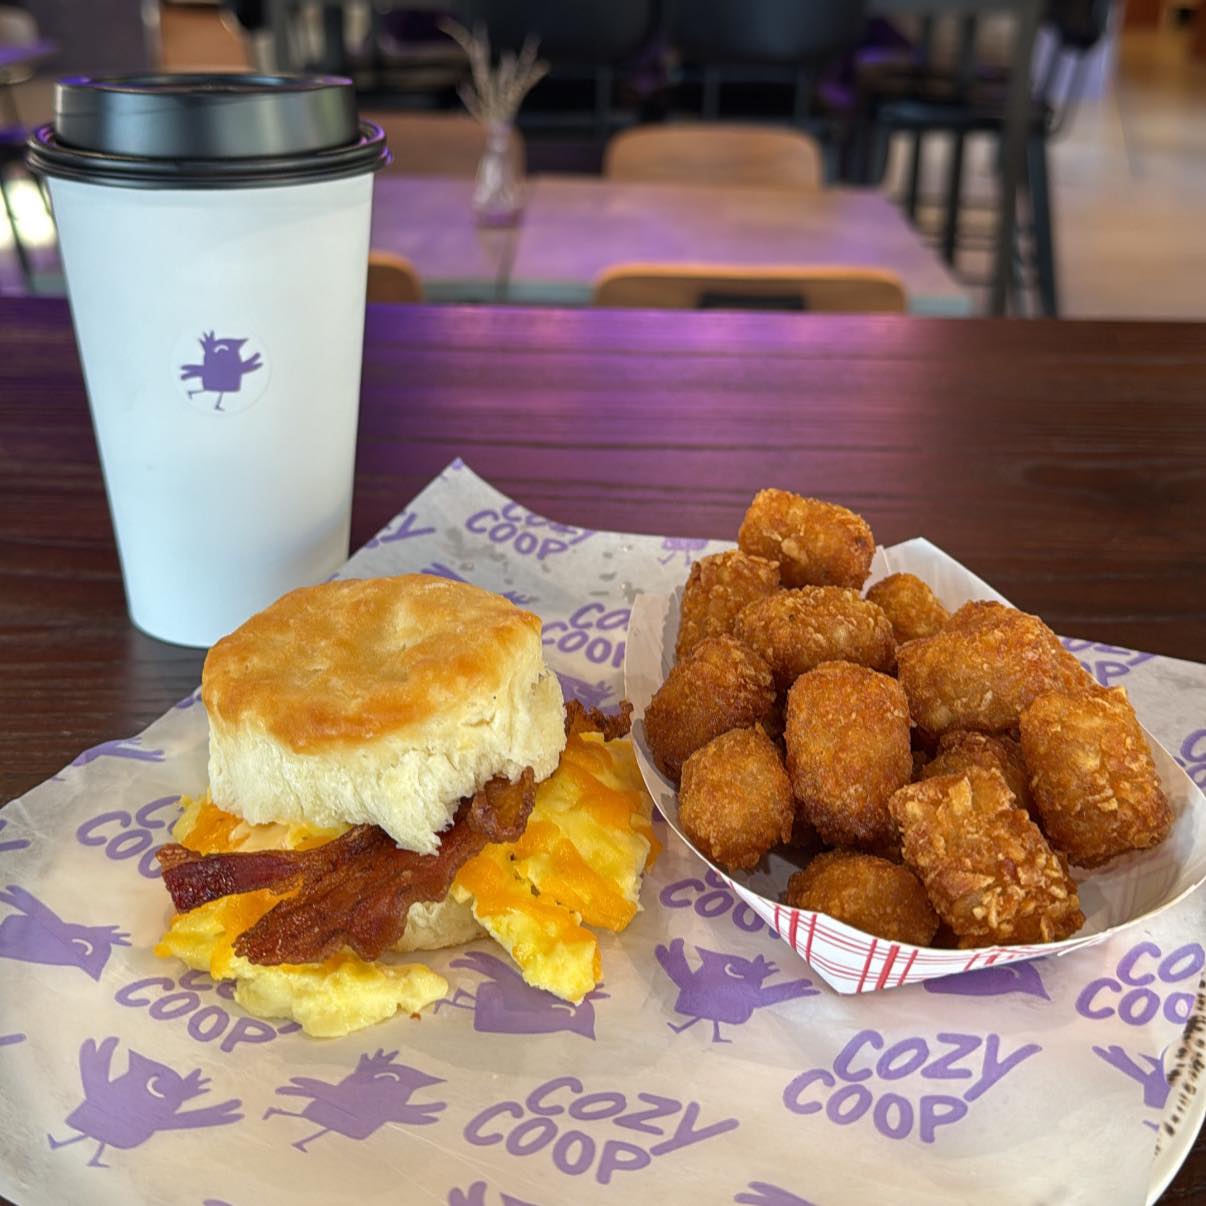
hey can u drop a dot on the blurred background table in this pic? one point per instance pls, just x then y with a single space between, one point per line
429 220
1025 17
1063 462
575 227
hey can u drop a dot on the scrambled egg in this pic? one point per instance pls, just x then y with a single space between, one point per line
580 859
578 863
327 999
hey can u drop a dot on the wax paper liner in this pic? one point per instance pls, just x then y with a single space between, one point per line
709 1067
1131 890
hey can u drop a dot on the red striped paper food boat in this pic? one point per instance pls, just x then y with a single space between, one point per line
1126 893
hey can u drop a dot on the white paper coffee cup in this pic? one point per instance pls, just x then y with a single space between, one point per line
220 328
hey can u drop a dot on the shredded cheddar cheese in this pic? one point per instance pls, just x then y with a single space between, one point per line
580 859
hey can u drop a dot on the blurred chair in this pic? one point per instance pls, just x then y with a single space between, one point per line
726 38
704 153
584 31
834 290
19 37
920 102
17 28
437 144
584 38
391 278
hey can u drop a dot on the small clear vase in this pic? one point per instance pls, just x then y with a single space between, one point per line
498 190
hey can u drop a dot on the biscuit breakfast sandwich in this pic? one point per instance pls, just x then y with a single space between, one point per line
392 769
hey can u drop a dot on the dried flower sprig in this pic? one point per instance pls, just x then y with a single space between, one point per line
496 92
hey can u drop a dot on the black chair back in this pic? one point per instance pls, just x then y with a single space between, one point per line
1079 24
584 31
772 32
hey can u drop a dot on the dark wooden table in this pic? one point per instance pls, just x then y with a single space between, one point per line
1063 462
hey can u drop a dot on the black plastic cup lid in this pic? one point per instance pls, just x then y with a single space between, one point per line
205 131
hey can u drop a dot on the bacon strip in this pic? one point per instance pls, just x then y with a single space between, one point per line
354 891
195 879
581 719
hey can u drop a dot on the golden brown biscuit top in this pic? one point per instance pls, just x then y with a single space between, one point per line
348 662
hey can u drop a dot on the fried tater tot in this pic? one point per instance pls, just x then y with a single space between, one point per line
804 837
735 802
986 866
797 630
960 748
868 893
720 685
1075 677
718 587
1096 788
847 751
815 543
981 670
910 605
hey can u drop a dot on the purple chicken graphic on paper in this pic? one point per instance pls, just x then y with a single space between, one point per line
376 1092
589 695
128 747
1149 1074
724 988
37 934
407 528
504 1004
9 1040
998 981
475 1195
11 843
125 1111
440 570
684 545
763 1193
222 367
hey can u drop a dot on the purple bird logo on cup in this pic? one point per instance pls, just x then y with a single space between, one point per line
222 367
